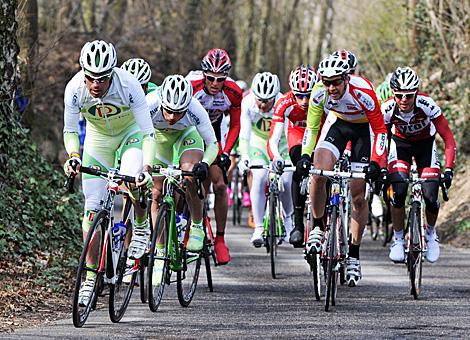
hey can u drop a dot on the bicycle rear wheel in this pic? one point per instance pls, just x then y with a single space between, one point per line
158 261
331 261
235 195
415 250
315 268
93 245
143 279
208 252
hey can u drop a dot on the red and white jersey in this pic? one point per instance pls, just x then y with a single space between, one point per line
359 104
286 110
421 123
226 102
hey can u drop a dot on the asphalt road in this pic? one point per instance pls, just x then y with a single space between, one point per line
248 303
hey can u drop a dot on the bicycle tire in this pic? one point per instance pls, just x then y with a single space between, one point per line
415 259
156 289
187 277
208 251
331 261
120 292
273 232
315 268
81 313
143 282
235 196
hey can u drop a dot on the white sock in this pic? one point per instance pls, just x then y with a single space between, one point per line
398 234
430 229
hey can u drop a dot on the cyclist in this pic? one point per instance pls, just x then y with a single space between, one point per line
219 95
353 109
414 118
293 107
141 70
384 91
257 112
112 102
182 126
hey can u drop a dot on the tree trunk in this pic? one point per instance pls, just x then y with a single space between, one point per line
8 58
262 44
323 22
249 47
285 35
29 44
191 24
89 18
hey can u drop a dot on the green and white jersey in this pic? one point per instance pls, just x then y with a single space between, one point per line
121 109
255 126
196 116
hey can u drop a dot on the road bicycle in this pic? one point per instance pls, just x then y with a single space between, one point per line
335 241
168 253
274 231
415 249
105 245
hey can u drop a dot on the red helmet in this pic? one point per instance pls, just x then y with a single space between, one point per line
302 79
217 61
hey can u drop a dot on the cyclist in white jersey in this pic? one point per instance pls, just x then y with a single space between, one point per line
182 126
118 120
256 116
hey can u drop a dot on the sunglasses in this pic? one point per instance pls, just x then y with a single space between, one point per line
264 101
335 82
175 112
302 95
404 95
217 79
100 80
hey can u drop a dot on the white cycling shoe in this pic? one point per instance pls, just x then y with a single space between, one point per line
258 237
315 238
353 271
432 244
86 291
397 250
139 242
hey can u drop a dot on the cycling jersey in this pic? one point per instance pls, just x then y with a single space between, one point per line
286 109
420 124
195 116
122 107
359 104
255 129
152 87
227 101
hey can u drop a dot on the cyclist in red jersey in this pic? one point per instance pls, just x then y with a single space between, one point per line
220 96
293 106
413 119
353 111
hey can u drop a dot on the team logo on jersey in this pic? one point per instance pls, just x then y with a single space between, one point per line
365 100
264 124
132 141
189 141
317 96
380 146
105 110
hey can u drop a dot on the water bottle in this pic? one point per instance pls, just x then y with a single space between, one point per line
119 230
181 222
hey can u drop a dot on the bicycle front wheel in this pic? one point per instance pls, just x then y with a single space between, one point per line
188 276
273 232
235 196
158 261
331 261
91 253
415 251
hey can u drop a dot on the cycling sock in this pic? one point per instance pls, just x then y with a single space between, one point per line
430 229
197 223
89 274
398 234
88 218
220 233
354 251
140 219
318 222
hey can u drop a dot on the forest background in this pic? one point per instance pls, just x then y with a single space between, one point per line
39 230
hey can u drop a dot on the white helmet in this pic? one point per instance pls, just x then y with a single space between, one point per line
139 68
176 93
404 78
333 66
242 84
98 56
265 85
